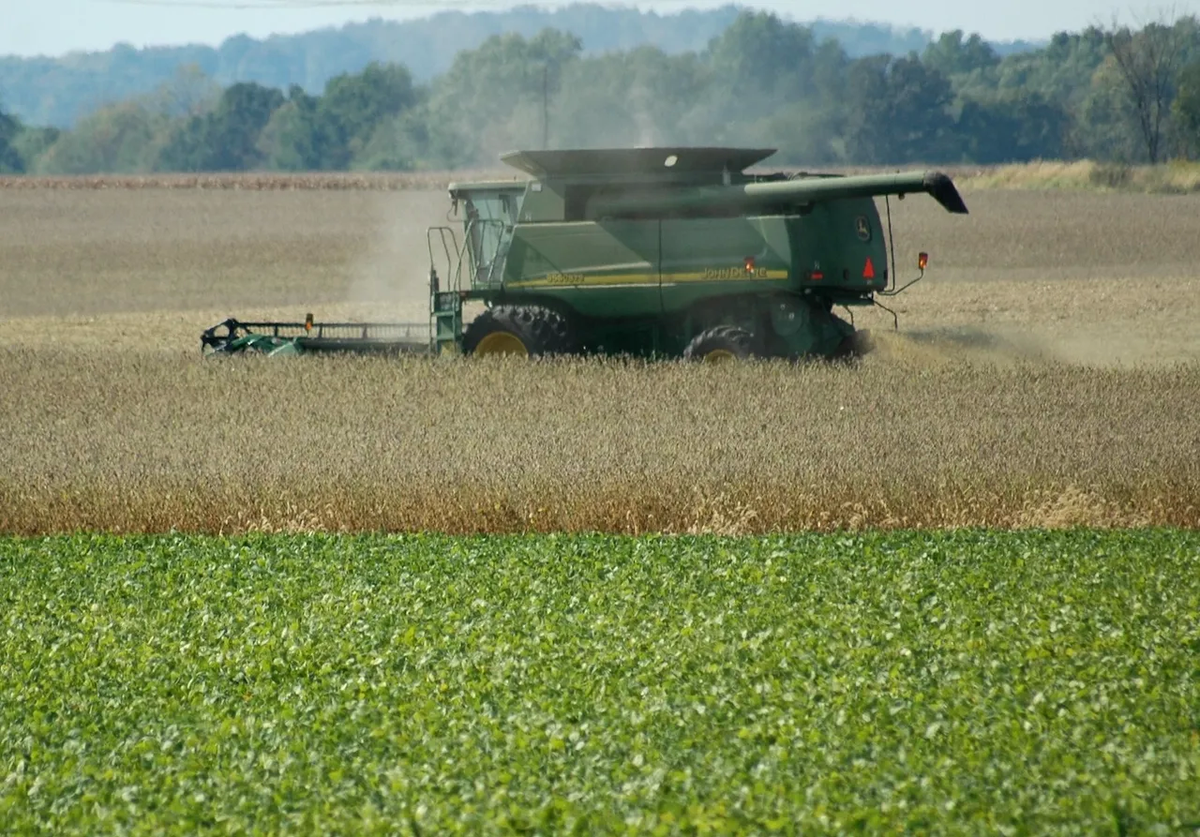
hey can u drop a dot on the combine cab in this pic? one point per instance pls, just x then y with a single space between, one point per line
654 252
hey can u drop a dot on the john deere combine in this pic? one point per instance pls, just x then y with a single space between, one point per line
646 251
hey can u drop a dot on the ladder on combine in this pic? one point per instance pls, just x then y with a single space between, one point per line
446 305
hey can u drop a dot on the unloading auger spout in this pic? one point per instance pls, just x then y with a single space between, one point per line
798 191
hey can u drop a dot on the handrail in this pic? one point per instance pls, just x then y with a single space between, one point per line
442 232
456 260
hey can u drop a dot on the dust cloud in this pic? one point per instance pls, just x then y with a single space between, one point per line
942 346
1083 345
388 281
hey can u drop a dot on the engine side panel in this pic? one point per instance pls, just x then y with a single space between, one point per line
705 258
597 269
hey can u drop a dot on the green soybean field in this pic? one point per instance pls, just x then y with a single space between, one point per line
974 682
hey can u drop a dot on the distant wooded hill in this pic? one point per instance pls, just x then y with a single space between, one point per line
60 91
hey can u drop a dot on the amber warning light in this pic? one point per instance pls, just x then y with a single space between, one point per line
749 264
922 260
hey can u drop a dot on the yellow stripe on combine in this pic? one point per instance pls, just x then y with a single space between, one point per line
569 281
651 279
740 276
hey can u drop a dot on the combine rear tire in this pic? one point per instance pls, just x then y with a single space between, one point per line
520 330
722 343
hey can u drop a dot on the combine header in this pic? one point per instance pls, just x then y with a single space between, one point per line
653 252
233 336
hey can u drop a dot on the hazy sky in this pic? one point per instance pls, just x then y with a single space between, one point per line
52 27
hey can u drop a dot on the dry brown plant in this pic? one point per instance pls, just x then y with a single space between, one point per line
132 442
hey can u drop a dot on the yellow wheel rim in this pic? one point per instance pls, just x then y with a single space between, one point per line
501 343
719 356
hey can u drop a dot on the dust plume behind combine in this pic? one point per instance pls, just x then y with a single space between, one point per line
389 279
1045 373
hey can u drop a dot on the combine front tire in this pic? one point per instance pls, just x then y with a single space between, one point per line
520 330
721 343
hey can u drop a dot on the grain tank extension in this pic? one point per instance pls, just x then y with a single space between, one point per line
647 252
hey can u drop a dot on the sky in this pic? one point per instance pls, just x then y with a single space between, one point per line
54 27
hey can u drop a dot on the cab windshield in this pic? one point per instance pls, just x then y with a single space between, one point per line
489 218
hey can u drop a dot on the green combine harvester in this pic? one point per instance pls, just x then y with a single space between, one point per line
650 252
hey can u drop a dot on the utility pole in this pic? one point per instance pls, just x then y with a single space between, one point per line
545 105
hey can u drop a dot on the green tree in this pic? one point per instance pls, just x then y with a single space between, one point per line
294 139
951 55
234 127
492 98
805 135
32 143
353 106
771 83
1186 110
1105 127
760 60
226 139
413 141
897 112
1012 129
11 161
189 92
119 138
1062 72
185 146
1147 62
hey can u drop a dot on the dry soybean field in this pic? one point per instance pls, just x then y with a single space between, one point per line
1045 373
953 588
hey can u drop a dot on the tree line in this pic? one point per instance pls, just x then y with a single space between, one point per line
1111 94
57 91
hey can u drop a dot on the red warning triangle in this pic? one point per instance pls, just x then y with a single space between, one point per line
869 270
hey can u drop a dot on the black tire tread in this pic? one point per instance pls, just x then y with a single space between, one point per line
544 331
734 338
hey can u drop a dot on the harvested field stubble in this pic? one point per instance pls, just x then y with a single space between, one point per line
159 442
1096 278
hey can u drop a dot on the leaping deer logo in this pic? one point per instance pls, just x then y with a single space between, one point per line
862 227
